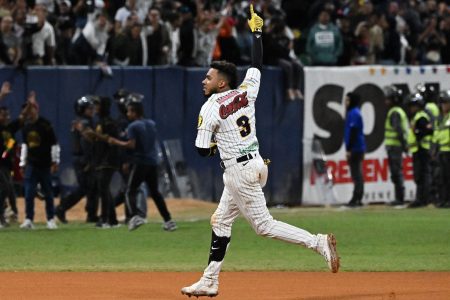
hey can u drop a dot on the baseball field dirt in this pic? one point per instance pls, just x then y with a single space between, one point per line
234 285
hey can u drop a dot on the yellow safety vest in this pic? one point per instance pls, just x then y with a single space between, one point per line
433 109
391 137
443 135
412 140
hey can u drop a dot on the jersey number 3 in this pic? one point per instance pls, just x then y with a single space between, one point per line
244 126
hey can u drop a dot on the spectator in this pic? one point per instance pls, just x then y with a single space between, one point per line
43 41
244 40
185 38
431 41
362 44
445 50
392 45
5 8
376 38
9 44
125 11
65 29
205 32
19 17
158 39
355 146
39 158
345 58
90 46
129 47
324 44
226 45
279 45
173 27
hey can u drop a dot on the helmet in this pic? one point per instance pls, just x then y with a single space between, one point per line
394 94
82 103
135 98
444 96
416 99
121 99
429 92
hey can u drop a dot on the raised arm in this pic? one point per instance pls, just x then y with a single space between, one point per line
256 24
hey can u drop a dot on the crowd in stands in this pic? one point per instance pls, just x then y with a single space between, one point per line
195 32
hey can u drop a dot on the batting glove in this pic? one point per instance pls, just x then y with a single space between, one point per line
255 23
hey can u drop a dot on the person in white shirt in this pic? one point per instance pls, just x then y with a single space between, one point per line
123 13
43 41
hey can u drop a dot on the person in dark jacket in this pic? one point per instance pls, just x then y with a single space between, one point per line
106 160
39 159
82 163
355 146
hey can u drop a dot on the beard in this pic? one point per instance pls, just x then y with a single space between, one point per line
210 92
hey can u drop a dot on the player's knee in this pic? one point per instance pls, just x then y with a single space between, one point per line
263 228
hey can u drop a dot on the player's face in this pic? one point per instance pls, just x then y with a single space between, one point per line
211 82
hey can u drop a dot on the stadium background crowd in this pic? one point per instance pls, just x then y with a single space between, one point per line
192 33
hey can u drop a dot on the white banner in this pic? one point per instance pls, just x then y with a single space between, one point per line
324 116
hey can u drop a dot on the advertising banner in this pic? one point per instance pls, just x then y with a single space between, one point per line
324 117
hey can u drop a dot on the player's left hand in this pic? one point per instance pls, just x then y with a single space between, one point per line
255 23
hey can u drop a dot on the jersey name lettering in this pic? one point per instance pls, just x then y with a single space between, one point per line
238 102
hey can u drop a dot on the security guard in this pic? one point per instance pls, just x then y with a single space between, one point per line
395 140
419 141
443 140
82 162
430 94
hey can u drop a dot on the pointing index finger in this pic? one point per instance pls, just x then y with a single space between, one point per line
251 10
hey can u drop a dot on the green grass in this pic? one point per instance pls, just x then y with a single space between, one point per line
374 239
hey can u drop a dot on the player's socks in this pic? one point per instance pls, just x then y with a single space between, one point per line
219 246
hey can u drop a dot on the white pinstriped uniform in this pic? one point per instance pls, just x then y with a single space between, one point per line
236 136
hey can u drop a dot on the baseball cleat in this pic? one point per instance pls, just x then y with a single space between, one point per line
203 287
327 248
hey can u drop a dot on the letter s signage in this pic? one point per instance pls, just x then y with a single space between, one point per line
333 122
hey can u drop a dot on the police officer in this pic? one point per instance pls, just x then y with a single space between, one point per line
443 140
395 140
82 162
419 142
106 160
430 94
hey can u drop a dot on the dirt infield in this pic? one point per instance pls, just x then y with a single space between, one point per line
234 285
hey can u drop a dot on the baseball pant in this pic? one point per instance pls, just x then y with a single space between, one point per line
149 175
395 160
243 194
33 176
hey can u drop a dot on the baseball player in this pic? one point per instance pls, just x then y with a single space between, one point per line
227 123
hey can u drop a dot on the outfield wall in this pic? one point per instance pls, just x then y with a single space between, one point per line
173 97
